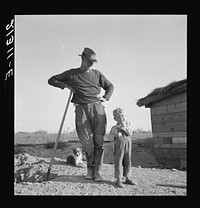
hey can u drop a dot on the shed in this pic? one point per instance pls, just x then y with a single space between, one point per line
168 107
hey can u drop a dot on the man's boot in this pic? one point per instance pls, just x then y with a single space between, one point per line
98 158
90 166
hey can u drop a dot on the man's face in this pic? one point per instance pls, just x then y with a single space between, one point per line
87 62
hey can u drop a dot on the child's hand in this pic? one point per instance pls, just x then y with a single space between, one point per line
119 134
124 130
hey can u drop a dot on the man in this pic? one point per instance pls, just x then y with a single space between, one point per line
90 116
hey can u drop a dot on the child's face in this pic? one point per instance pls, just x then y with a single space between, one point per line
119 118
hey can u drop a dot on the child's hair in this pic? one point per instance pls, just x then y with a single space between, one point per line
119 111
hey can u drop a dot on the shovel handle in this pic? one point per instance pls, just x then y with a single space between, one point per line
59 134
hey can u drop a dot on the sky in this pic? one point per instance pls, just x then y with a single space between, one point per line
137 53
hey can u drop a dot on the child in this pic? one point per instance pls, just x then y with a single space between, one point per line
122 148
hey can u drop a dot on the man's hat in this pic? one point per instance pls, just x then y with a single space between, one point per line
89 53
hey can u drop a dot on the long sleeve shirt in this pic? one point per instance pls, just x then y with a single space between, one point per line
87 85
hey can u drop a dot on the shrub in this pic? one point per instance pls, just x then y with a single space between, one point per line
50 145
18 150
40 132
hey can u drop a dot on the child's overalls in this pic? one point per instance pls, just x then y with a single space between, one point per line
122 159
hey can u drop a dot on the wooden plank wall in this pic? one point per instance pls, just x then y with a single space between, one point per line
169 121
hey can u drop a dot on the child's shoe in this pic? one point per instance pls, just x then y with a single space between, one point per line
119 183
128 181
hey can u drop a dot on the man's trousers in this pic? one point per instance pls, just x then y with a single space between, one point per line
91 125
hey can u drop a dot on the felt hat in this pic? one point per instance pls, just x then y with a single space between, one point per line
89 53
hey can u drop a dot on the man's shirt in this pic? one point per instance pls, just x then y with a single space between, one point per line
87 85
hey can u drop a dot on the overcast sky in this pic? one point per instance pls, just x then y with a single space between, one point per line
137 53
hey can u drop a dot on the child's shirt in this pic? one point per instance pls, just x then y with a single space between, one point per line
118 131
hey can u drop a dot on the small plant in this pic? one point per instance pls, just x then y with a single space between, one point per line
18 150
50 145
40 132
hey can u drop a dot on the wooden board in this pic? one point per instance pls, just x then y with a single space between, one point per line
170 134
172 185
169 140
170 117
183 163
169 127
162 140
170 145
174 99
179 140
173 108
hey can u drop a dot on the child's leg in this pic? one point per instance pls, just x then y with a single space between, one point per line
127 163
119 154
127 158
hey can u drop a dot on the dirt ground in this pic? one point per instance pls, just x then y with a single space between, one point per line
69 180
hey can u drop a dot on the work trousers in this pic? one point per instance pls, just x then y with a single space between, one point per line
91 124
122 157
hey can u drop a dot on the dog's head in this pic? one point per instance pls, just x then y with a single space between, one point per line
77 151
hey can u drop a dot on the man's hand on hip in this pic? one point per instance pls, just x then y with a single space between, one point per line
102 99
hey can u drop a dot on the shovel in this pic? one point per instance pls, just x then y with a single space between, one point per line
58 136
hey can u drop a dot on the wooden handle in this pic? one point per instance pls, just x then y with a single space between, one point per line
172 185
59 134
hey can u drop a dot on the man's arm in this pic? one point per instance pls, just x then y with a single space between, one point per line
108 92
106 85
58 81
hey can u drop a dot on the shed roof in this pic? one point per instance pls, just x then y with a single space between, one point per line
157 94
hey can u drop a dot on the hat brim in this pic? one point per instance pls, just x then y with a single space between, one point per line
93 60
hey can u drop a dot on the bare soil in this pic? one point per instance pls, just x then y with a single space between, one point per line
31 169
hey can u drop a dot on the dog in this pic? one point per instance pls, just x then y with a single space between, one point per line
76 158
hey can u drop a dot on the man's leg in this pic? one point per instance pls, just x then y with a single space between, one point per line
90 166
98 153
99 124
84 131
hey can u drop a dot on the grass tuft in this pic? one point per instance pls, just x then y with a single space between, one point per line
50 145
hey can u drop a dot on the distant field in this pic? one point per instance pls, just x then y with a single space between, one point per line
42 138
32 138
